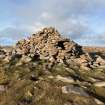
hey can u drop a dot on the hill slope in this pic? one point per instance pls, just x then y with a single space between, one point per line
47 69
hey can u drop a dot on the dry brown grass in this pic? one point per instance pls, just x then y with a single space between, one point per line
21 90
94 49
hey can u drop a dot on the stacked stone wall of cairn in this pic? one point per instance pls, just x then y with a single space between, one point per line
49 44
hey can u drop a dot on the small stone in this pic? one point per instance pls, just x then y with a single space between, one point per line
34 78
29 94
98 102
64 79
100 84
100 61
82 67
25 59
50 77
7 59
74 90
2 88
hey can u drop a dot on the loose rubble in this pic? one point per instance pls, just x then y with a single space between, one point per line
48 44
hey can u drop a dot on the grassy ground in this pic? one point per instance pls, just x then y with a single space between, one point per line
28 84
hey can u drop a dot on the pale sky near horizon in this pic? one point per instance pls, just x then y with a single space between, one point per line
81 20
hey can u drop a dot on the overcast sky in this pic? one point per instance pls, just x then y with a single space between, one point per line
81 20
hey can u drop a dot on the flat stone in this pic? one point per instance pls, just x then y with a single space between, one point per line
100 84
2 88
102 67
74 90
50 77
98 102
64 79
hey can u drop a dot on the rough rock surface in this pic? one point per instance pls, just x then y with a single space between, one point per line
49 44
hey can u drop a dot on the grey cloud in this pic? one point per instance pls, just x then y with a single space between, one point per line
13 33
59 9
68 16
62 14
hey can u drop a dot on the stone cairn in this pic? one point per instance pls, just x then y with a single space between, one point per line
48 44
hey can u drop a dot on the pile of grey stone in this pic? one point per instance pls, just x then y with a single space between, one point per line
48 44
